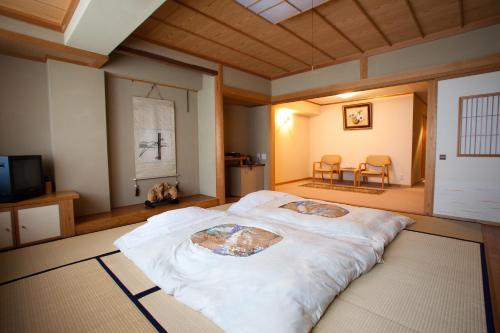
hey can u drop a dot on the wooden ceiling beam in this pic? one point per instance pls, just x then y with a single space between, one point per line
337 30
372 22
307 42
30 18
461 13
223 45
69 14
199 55
240 31
414 17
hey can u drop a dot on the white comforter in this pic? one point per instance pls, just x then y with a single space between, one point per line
284 288
373 227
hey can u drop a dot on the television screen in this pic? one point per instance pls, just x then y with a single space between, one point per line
21 177
26 173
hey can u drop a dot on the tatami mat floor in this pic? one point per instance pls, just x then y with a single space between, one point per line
427 284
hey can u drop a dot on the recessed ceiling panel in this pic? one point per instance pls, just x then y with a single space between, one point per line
279 13
263 5
304 5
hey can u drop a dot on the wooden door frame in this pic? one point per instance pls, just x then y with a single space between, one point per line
220 181
431 74
430 143
248 98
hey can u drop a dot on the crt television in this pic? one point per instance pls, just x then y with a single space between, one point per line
21 177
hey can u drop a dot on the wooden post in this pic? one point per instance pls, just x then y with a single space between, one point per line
430 154
270 158
363 67
219 137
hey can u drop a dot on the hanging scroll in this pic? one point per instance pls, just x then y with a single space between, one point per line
154 132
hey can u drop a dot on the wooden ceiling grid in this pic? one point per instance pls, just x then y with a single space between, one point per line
52 14
226 32
476 10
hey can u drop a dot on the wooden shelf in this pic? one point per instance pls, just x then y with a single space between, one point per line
43 199
136 213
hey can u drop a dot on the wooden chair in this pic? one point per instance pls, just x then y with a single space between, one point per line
329 164
382 162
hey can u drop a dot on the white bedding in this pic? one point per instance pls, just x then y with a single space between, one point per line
284 288
373 227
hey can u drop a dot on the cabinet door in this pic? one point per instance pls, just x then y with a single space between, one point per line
6 232
38 223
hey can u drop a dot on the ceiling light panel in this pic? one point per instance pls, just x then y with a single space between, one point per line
305 5
276 11
279 13
263 5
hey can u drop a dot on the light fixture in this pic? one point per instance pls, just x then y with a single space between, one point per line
276 11
284 118
348 94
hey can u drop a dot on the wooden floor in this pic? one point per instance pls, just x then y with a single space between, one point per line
491 236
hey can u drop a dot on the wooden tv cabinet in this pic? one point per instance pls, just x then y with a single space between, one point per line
37 220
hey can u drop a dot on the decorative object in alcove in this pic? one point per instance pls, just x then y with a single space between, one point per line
154 132
162 194
358 116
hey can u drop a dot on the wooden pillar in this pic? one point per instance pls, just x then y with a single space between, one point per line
270 158
219 137
430 154
363 67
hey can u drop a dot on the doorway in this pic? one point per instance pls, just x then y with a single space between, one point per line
398 130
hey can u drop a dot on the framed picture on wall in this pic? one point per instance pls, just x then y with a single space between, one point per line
357 116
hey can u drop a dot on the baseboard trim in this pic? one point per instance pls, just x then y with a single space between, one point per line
464 219
292 181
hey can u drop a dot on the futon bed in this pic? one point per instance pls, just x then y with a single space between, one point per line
252 269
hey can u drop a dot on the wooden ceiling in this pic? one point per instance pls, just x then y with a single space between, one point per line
52 14
225 32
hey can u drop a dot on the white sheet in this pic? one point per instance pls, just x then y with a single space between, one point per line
374 227
284 288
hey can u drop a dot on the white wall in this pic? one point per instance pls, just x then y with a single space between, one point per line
465 187
120 124
238 79
344 72
144 69
391 135
468 45
206 136
78 129
24 110
292 149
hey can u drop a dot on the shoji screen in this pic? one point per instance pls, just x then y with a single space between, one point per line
479 125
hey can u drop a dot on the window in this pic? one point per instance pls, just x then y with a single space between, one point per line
479 125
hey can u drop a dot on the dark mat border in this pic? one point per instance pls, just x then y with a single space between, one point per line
135 298
488 308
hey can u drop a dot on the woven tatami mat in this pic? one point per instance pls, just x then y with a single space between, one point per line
76 298
128 273
427 284
176 317
33 259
